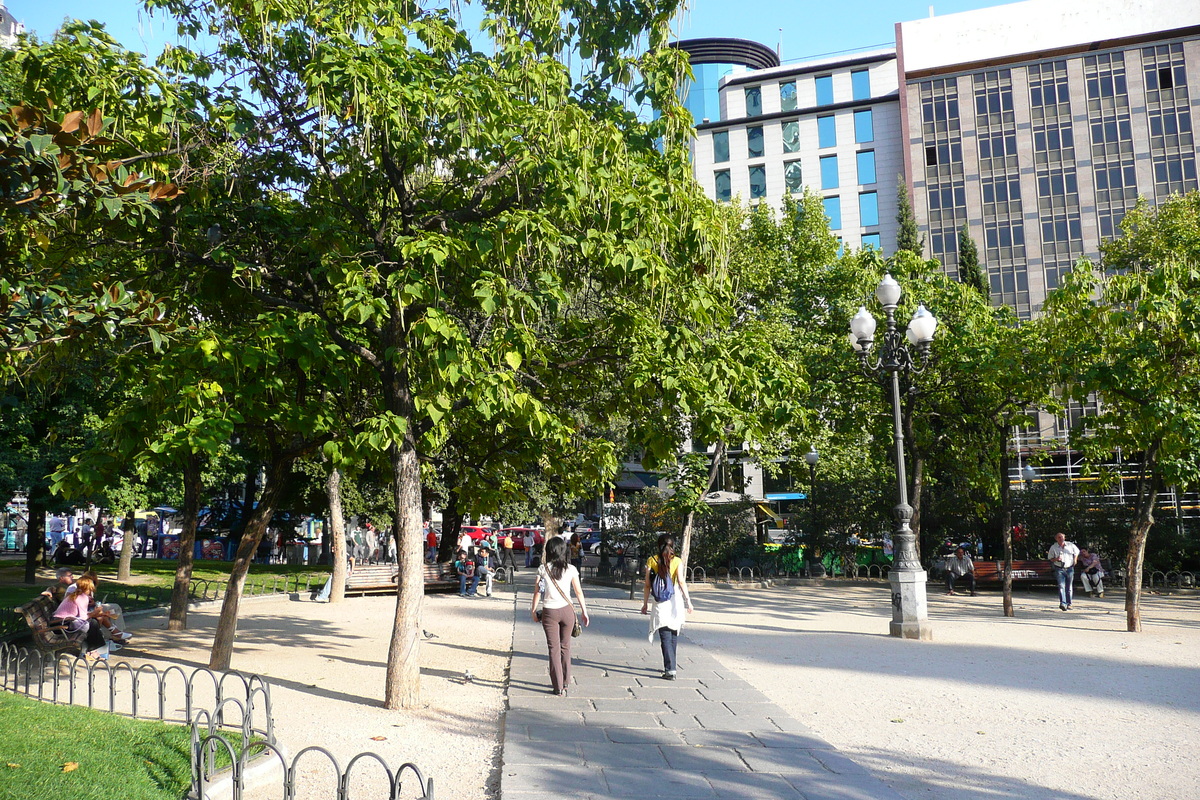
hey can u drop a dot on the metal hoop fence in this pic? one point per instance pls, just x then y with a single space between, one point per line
207 745
144 692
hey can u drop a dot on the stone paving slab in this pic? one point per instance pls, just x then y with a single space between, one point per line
623 731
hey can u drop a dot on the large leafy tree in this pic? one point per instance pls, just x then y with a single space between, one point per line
483 234
1131 335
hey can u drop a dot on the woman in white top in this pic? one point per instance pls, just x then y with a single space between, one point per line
668 614
555 582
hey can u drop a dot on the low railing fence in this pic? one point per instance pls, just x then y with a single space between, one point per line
312 771
231 701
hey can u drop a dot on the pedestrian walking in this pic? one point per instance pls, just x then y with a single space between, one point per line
507 552
665 584
1063 555
556 580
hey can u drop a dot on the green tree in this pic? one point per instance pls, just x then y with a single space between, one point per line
1131 336
483 233
970 271
908 235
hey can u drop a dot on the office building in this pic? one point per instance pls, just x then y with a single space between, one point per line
764 131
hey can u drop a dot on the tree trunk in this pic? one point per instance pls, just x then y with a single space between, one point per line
1147 493
403 683
451 527
337 525
277 477
35 535
180 591
714 472
129 529
1006 522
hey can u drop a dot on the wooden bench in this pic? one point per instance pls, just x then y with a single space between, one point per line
48 636
1022 571
381 578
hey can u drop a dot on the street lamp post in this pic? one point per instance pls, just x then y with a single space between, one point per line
811 458
1030 475
910 612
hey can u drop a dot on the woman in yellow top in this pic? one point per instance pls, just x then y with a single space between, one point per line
666 618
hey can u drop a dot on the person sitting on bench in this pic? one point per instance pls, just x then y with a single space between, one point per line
960 566
74 615
466 572
1091 572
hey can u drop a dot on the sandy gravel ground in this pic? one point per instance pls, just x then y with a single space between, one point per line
326 665
1046 705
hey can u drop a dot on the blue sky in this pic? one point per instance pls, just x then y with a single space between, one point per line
808 28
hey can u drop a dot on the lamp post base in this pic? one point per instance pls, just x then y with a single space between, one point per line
910 610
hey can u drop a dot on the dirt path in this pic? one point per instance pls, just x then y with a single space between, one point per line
326 664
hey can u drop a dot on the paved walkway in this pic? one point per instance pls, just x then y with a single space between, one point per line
623 731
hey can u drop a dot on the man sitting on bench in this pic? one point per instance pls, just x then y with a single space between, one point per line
960 566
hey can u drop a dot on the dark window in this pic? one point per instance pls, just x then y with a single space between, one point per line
1166 79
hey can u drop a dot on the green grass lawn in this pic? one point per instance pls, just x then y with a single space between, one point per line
116 757
153 572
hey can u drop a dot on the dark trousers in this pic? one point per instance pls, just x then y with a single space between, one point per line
558 624
94 639
951 578
507 557
669 639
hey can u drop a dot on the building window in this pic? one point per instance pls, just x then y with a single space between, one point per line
724 190
833 210
827 131
824 90
754 101
792 177
829 172
872 241
787 96
721 146
758 182
754 142
866 167
860 82
868 209
864 127
791 137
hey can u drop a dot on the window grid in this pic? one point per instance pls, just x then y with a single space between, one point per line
829 172
787 96
827 131
1114 173
723 189
866 167
1004 254
1172 142
864 127
945 185
791 136
824 87
758 182
793 177
720 146
1054 170
754 142
754 101
860 84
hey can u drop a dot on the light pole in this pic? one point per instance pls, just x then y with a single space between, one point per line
1030 475
811 458
910 613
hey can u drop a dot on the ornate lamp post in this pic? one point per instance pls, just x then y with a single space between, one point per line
910 613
